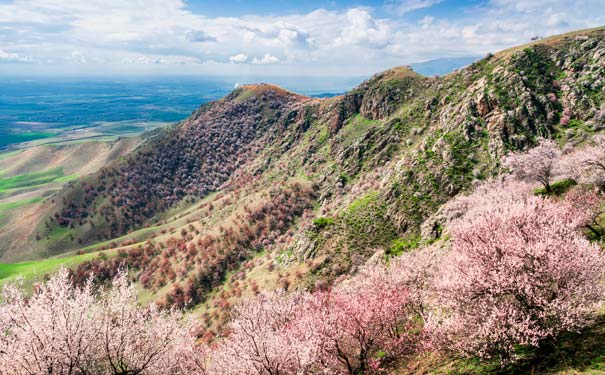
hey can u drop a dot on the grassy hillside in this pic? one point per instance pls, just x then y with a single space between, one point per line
266 189
29 176
35 271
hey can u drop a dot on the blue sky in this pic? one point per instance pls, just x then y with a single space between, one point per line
263 37
235 8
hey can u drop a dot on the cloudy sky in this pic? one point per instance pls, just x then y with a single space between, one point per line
269 37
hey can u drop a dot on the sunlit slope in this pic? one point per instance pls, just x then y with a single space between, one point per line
28 176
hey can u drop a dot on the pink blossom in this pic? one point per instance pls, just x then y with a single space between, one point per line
539 164
63 329
518 273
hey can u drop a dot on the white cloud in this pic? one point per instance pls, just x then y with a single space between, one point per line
364 29
239 58
13 57
426 21
134 59
199 36
76 56
102 35
267 59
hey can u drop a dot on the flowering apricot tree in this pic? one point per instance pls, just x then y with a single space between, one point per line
350 329
588 163
519 273
363 317
63 329
268 337
538 164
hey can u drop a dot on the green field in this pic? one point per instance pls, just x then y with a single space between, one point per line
16 204
9 139
33 179
35 270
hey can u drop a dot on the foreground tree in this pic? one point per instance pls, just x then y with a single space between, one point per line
352 329
63 329
539 164
365 322
588 205
587 164
268 336
51 332
518 274
134 340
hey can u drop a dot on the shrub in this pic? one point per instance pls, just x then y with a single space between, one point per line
402 245
322 222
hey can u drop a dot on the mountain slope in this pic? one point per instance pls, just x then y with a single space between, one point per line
28 176
267 189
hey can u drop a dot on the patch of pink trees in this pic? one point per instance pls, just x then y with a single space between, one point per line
517 274
350 329
62 329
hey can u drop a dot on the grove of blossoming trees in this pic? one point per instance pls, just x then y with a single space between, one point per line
538 164
351 329
63 329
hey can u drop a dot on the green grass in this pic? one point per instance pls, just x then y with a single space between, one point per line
355 129
32 179
20 203
402 245
35 270
67 178
322 222
557 188
58 233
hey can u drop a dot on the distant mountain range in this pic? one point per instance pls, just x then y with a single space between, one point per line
443 66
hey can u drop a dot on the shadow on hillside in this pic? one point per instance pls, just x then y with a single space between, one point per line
574 353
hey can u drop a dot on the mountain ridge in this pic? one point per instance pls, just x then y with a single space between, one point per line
278 190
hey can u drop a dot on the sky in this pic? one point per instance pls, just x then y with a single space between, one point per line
268 37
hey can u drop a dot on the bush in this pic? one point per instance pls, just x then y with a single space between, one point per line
322 222
402 245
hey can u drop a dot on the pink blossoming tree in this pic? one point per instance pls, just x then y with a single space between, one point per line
519 273
352 329
63 329
539 164
587 164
